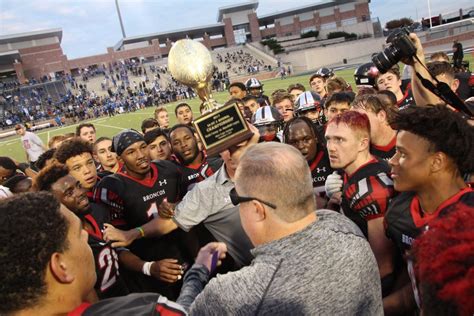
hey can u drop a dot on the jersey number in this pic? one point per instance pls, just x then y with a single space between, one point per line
152 211
108 259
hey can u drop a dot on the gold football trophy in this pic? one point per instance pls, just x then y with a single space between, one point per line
220 127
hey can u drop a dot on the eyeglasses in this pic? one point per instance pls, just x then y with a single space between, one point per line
236 199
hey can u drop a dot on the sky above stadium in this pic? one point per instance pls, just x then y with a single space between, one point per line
90 26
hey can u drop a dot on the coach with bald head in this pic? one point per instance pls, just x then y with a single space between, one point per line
306 262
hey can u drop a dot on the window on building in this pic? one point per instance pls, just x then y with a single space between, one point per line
287 20
245 27
349 21
240 36
306 16
328 26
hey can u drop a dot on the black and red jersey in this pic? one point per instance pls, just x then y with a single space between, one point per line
407 100
109 282
134 304
133 203
367 193
198 172
384 152
320 169
405 219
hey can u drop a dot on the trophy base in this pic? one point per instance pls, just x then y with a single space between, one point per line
222 128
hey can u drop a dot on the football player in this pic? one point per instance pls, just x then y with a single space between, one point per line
367 188
434 149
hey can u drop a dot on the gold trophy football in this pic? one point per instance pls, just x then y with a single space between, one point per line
220 127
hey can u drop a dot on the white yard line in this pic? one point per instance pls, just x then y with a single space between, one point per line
110 126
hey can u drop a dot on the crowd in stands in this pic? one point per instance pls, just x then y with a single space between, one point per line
124 94
340 202
130 85
240 62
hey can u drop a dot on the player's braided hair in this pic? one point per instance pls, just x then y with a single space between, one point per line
446 130
304 119
286 131
444 264
31 230
71 148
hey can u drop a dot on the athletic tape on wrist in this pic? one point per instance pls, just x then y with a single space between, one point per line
146 269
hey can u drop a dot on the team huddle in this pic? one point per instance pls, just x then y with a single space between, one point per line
340 203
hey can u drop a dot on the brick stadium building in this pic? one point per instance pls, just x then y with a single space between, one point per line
36 54
239 24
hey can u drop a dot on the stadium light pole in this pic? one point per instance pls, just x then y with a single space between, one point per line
429 13
120 18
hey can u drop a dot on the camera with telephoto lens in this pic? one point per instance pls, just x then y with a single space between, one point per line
400 47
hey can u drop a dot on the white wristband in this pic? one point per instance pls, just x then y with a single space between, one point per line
146 268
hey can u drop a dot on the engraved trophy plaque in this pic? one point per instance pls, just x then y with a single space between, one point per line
220 127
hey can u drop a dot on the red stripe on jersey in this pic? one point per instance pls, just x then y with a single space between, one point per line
381 194
377 196
348 176
387 147
118 222
79 310
209 172
165 310
90 195
96 230
405 95
316 160
197 166
421 218
148 182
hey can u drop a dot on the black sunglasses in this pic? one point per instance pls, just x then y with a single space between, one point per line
236 199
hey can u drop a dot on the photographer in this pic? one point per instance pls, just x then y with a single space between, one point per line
422 95
427 88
